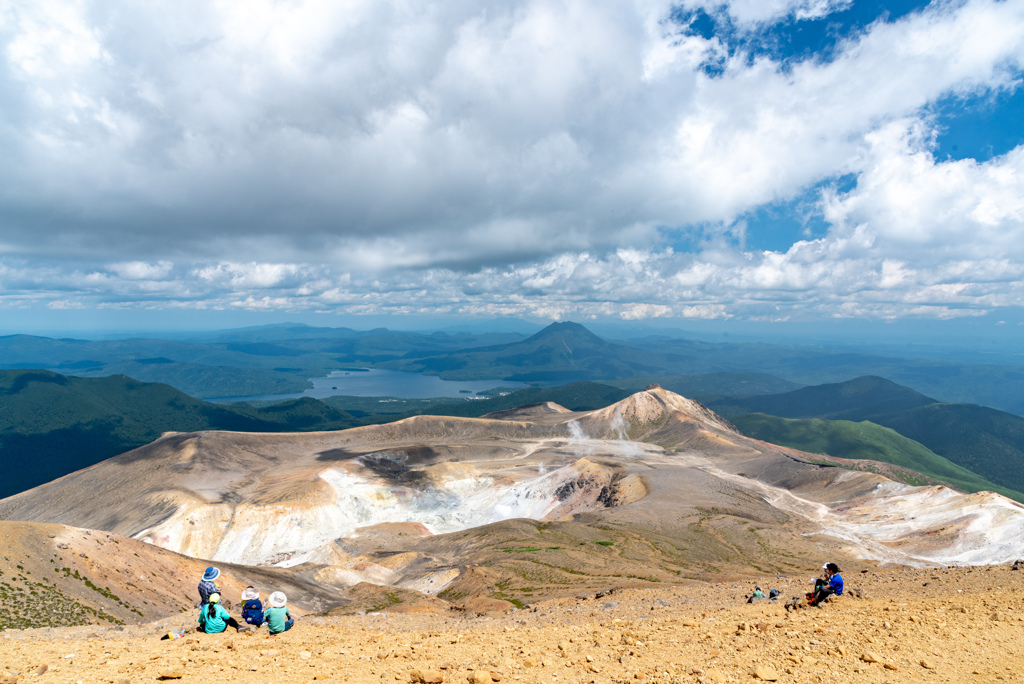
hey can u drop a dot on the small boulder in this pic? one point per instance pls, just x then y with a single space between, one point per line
426 677
172 672
870 657
479 677
765 674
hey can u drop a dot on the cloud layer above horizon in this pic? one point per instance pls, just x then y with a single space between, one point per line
556 159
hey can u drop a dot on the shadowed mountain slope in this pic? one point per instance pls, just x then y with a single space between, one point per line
866 440
856 400
987 442
52 424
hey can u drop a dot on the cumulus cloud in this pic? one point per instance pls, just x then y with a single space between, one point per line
533 158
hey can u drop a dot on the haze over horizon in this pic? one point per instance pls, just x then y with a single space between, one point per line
693 165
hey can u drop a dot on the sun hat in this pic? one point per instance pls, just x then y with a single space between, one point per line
277 599
214 598
250 594
211 574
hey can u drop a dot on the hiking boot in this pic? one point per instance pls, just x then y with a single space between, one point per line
244 628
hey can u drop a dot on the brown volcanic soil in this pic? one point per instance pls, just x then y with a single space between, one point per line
946 625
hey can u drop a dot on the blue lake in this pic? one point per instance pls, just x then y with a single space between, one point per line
384 383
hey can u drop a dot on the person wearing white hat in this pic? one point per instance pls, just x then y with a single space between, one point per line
252 607
277 615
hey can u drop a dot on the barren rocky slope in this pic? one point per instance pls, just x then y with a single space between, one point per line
510 509
928 625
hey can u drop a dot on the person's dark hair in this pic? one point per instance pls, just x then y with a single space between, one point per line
212 610
833 568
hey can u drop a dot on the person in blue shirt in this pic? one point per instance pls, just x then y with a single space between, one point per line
252 607
831 585
213 619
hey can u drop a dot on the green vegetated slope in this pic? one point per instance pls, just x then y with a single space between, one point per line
865 440
856 399
988 442
706 387
51 424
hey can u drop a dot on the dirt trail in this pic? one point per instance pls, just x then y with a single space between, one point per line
944 625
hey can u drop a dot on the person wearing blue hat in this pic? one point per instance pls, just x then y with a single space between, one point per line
208 586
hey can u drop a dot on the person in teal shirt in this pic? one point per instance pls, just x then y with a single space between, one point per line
277 616
213 619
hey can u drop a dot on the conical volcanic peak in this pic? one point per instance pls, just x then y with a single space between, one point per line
568 332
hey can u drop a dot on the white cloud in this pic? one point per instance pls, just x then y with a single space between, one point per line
747 12
526 158
914 205
141 270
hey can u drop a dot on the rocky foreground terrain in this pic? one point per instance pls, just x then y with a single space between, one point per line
914 625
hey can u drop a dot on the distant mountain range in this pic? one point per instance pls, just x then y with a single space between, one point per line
985 441
51 425
281 358
560 353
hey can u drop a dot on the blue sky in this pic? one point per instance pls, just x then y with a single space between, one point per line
760 162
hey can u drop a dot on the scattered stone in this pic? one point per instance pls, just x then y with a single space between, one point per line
712 676
41 670
870 657
890 666
172 672
765 674
927 664
305 655
426 676
479 677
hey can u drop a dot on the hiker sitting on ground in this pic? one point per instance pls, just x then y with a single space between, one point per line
252 607
826 587
758 594
207 585
277 616
213 619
